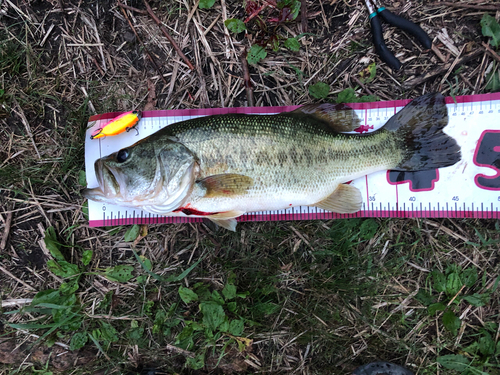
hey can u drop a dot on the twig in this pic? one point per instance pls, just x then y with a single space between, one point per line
17 279
450 69
255 13
6 230
246 78
370 92
142 44
303 15
24 120
482 70
133 9
439 70
151 103
492 53
175 349
441 57
16 302
167 35
469 6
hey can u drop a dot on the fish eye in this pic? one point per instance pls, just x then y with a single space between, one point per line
122 155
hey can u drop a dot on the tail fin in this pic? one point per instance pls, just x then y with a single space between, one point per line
419 129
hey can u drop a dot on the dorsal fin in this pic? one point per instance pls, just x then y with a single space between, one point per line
340 117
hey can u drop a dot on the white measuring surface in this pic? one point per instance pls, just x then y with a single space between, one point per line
468 189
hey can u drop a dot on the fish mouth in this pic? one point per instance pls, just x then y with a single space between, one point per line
109 188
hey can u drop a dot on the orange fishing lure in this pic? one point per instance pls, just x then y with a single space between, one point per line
118 125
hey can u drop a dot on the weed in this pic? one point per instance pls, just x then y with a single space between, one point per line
266 30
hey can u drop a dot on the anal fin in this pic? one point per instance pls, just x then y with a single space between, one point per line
346 199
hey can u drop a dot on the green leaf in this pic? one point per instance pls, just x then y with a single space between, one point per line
493 80
224 327
469 277
451 322
146 263
256 54
70 287
63 268
206 4
367 99
439 281
187 295
78 341
490 27
266 308
47 296
453 283
196 363
319 90
472 348
477 299
347 96
432 309
135 333
236 327
87 257
51 243
368 229
183 274
368 74
424 297
213 314
235 25
487 345
229 291
292 44
121 273
293 5
108 332
454 362
82 179
132 233
185 339
216 297
274 43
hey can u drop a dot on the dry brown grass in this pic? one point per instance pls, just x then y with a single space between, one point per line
336 299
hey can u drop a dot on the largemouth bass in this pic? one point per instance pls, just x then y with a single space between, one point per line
220 167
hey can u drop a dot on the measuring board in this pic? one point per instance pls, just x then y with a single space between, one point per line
468 189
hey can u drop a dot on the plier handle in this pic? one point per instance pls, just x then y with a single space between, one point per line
376 10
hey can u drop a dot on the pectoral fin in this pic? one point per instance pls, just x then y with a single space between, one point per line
229 224
226 219
346 199
224 185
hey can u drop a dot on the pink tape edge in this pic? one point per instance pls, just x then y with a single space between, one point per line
311 216
221 111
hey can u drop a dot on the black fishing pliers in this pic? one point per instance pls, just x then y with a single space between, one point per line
376 9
